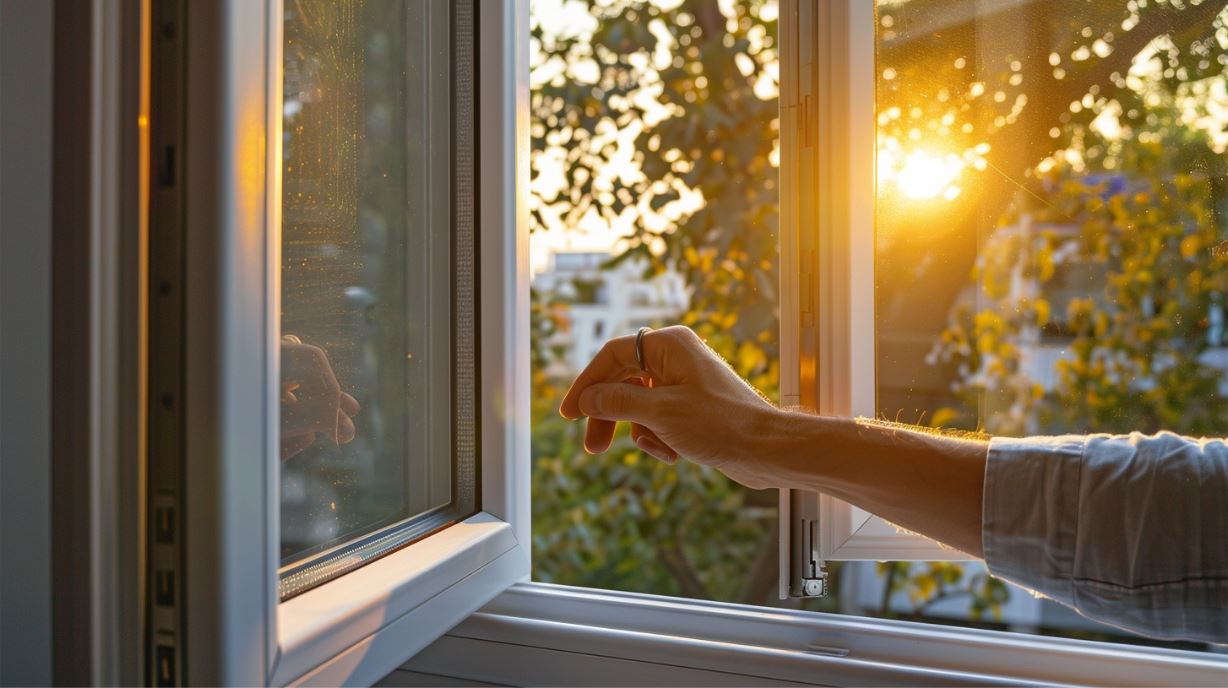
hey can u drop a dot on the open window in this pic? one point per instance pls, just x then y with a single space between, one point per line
997 217
338 263
179 365
828 305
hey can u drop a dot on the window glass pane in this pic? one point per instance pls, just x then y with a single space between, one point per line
654 202
1050 237
377 330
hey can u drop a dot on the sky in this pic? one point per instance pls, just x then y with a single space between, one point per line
562 18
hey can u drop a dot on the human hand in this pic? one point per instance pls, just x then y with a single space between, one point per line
312 402
689 403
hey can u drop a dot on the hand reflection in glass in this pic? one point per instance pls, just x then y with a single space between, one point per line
312 403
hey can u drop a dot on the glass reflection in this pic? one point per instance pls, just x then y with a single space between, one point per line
365 364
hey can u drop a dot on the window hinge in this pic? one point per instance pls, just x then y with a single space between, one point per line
814 575
807 572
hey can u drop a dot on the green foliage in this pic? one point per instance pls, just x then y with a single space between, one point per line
927 583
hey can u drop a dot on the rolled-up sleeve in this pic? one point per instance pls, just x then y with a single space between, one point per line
1131 530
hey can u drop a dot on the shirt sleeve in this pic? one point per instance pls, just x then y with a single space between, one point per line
1130 530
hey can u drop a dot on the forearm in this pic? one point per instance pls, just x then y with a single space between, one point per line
927 483
1128 529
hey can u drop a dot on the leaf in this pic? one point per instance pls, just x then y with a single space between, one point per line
1190 246
1041 308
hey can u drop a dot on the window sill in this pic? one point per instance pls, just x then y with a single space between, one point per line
357 628
662 639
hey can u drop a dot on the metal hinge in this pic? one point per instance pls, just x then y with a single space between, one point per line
814 576
807 573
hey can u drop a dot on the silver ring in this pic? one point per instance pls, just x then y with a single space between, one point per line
639 347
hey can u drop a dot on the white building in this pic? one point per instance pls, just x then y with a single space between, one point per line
596 304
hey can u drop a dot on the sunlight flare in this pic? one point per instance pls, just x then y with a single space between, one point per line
923 175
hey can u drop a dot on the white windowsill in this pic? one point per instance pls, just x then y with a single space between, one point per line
328 635
743 643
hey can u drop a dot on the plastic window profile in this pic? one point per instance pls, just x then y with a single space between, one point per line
827 278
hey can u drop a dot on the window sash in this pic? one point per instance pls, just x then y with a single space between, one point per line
444 183
827 269
356 628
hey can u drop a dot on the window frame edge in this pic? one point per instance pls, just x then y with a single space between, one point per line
744 642
827 260
475 560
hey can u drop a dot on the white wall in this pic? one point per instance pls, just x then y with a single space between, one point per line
25 341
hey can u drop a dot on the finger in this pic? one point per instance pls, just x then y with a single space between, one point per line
336 414
621 401
292 445
345 428
610 363
330 390
325 379
349 405
311 416
639 431
598 435
607 403
657 449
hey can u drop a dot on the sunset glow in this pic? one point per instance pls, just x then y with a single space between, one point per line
921 175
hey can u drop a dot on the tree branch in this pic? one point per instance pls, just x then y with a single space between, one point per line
1156 21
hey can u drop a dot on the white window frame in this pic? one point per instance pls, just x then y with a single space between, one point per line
827 271
540 634
358 627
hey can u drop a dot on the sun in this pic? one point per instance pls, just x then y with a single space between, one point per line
921 174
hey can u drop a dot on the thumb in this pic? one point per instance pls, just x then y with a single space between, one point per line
619 401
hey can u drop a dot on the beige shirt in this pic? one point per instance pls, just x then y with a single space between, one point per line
1130 530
